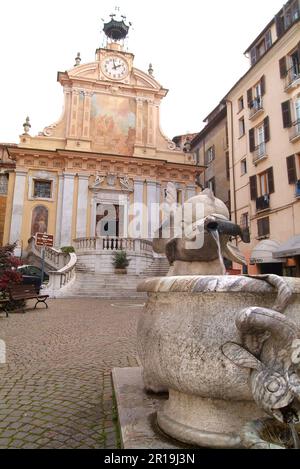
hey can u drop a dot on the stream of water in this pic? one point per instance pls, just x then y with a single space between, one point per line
295 435
216 237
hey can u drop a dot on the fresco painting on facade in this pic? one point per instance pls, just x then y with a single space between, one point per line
39 220
113 124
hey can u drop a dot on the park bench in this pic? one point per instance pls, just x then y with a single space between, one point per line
3 306
26 292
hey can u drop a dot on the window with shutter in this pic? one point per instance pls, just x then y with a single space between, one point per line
286 114
271 185
263 85
249 98
253 55
263 227
291 169
279 20
268 39
253 187
252 140
227 166
283 67
267 129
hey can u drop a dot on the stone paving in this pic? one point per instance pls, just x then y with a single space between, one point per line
55 390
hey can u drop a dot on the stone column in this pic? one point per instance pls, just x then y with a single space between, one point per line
17 208
74 113
59 210
83 191
67 210
151 130
139 121
137 231
153 208
87 114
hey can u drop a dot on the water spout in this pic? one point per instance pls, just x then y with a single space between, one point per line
216 236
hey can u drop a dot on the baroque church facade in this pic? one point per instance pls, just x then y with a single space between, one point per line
107 150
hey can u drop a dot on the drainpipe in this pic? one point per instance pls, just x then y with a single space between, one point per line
232 162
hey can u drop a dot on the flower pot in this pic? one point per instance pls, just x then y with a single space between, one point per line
121 271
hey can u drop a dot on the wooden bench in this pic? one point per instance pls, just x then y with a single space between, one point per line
26 292
3 305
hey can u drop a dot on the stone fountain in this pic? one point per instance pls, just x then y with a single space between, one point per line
225 348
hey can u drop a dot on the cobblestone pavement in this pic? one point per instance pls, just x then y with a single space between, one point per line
55 390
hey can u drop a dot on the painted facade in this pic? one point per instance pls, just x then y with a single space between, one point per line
106 150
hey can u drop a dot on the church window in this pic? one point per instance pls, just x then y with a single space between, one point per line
42 189
3 184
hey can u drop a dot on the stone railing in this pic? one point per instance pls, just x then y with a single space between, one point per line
54 258
111 243
63 266
61 278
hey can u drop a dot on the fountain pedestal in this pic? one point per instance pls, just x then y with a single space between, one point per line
184 325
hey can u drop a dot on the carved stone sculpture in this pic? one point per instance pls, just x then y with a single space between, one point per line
271 350
195 232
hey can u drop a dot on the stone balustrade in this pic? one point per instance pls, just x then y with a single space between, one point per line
62 278
54 258
111 243
63 263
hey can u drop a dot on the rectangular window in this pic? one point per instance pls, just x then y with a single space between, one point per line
266 184
227 166
42 189
263 184
244 222
3 184
198 156
244 167
261 145
241 103
210 155
263 227
242 129
211 185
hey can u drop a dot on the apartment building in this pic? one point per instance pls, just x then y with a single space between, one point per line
263 110
210 149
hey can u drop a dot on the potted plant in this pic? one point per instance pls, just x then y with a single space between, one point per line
120 262
9 275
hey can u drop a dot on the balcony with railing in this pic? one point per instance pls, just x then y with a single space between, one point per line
263 203
260 152
295 131
256 107
292 79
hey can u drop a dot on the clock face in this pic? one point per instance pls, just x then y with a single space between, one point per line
115 68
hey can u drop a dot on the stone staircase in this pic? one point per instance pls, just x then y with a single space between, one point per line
159 268
110 286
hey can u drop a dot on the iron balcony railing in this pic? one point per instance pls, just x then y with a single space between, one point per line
256 106
263 203
260 152
295 130
293 75
298 188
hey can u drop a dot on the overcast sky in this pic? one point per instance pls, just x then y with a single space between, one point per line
196 48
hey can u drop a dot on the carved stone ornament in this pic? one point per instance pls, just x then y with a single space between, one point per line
111 180
270 349
126 184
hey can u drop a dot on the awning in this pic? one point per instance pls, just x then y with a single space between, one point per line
263 253
290 248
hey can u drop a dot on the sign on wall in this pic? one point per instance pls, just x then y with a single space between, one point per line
42 239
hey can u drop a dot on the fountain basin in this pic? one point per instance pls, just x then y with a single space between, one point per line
180 333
